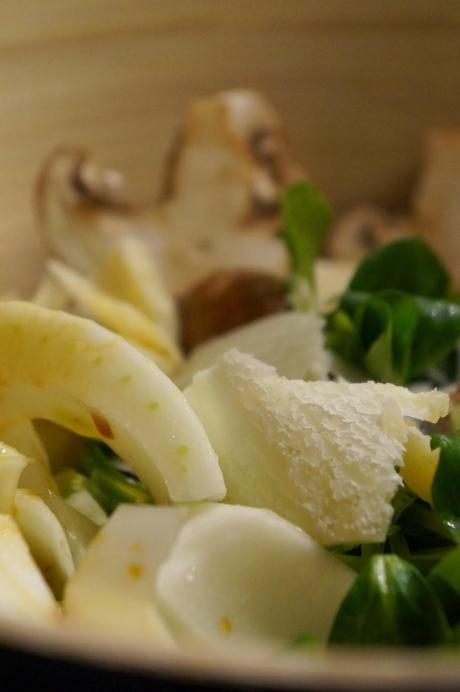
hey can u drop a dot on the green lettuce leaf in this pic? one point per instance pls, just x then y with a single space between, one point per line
445 580
306 217
407 265
390 604
445 491
392 321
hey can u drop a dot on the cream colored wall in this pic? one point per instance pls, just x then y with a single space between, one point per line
358 83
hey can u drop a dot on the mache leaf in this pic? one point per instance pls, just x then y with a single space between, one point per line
396 319
407 265
445 490
390 604
306 217
445 580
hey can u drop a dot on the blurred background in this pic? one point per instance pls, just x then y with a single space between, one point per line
358 85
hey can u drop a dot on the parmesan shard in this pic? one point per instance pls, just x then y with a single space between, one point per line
323 455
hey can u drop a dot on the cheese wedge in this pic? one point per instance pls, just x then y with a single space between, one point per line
321 454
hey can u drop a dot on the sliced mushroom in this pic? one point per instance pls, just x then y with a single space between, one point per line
228 299
80 208
363 229
437 199
219 201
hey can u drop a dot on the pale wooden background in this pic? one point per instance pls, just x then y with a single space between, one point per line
358 82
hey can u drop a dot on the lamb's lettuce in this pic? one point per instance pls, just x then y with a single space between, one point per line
390 604
445 580
306 217
445 490
396 320
99 474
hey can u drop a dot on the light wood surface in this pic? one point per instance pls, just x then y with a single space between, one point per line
358 84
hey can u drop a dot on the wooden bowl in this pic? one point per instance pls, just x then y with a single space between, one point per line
358 84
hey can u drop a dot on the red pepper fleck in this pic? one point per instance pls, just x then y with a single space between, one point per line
102 425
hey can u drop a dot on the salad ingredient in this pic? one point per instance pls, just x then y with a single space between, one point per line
24 594
420 463
306 218
129 272
360 230
396 318
436 202
46 539
122 318
406 265
238 572
79 530
446 483
81 209
71 371
293 342
228 299
22 436
84 502
106 483
321 454
207 572
12 464
113 589
390 604
445 580
332 278
219 202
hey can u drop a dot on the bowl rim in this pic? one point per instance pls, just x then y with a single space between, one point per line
340 669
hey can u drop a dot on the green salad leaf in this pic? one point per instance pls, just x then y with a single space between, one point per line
306 217
394 320
407 265
100 476
390 604
445 580
445 490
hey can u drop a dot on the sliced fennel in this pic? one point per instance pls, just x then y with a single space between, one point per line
79 530
239 573
121 317
292 342
45 537
85 503
75 373
12 464
129 272
113 589
24 594
208 572
23 436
